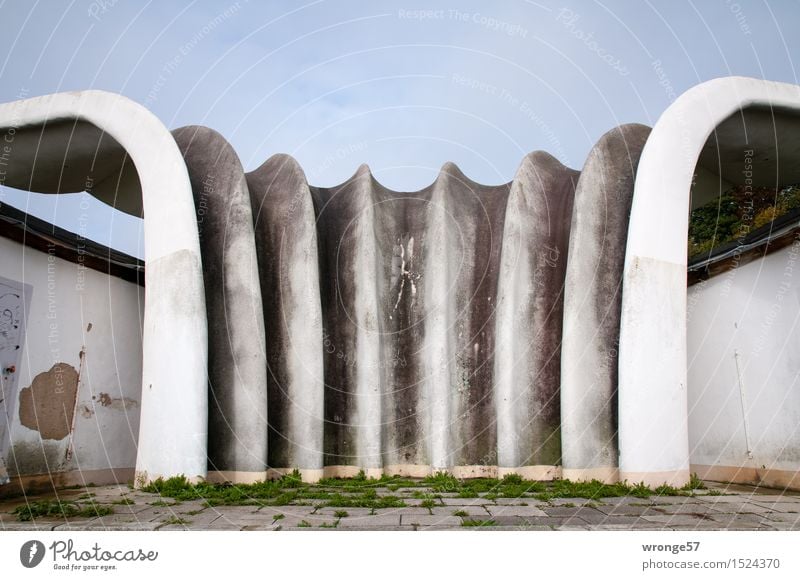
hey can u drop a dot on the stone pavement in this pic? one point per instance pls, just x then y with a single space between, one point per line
738 508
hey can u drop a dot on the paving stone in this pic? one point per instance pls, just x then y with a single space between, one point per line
470 510
501 520
122 519
675 499
151 514
99 525
743 508
783 526
216 526
676 520
287 510
515 511
235 509
140 507
247 520
689 508
739 519
625 500
781 517
783 507
566 512
293 521
514 528
260 528
578 501
415 502
370 521
41 525
375 528
408 511
602 519
636 526
461 501
571 528
429 520
522 527
411 490
628 510
725 498
695 527
546 521
512 500
351 512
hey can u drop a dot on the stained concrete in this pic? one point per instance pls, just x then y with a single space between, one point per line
286 245
592 304
530 305
237 405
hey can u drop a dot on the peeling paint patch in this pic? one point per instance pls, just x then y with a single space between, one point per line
48 405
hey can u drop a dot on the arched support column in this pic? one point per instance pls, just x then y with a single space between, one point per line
174 409
653 422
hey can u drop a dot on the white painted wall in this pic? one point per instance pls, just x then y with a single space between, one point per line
65 300
753 310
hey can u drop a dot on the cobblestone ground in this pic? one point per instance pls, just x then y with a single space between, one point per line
738 508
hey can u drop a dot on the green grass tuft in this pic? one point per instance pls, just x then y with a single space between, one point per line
60 509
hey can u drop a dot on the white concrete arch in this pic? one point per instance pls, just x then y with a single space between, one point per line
51 144
653 422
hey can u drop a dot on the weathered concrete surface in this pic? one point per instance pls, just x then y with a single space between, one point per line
237 370
653 409
91 140
592 303
530 308
349 255
286 242
466 219
407 282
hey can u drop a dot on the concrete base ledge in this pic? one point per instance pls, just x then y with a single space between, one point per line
676 478
604 474
532 472
777 478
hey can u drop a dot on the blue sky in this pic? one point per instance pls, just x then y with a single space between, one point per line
402 86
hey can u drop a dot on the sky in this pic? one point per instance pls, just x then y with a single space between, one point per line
401 86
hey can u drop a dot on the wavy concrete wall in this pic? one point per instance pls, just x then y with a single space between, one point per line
593 300
407 332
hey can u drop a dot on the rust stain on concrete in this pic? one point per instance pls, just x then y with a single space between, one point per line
48 405
120 404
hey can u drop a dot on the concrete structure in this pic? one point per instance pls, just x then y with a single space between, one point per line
87 141
592 304
653 419
530 312
476 329
237 364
